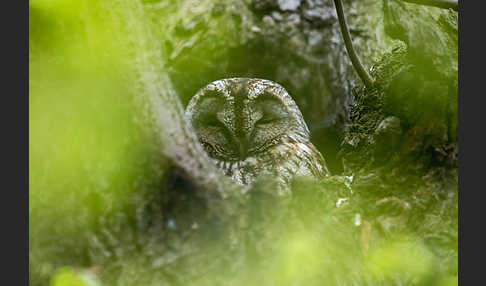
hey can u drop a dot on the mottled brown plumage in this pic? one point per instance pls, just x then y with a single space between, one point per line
252 127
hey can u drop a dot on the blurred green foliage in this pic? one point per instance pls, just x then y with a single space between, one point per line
97 184
67 276
88 150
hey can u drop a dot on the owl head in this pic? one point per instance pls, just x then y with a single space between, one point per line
238 118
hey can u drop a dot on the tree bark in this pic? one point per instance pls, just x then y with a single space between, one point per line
155 91
445 4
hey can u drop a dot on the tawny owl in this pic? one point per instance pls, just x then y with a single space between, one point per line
251 127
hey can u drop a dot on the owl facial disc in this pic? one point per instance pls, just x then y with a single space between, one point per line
246 124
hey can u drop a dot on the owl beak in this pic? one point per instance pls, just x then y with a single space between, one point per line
243 148
243 140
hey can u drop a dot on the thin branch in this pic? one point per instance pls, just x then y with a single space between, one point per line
446 4
358 66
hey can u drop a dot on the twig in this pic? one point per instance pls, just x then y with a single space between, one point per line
358 66
446 4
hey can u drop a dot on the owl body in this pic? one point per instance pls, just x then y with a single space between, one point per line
252 127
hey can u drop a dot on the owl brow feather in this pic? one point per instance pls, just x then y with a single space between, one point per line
206 94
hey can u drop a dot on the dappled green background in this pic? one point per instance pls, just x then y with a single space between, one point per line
103 210
90 154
